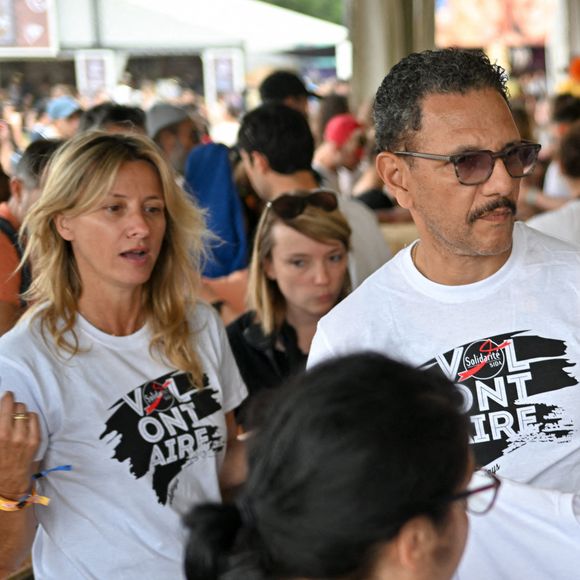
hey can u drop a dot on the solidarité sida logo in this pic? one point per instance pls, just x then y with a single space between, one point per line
506 382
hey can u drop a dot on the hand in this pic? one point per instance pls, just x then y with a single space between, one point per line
19 441
5 132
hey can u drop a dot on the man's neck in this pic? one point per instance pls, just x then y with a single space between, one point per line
301 180
452 269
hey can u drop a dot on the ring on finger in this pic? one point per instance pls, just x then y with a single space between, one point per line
17 416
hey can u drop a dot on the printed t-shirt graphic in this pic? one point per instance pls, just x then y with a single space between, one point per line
160 427
502 379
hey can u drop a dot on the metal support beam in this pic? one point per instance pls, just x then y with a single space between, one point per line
96 22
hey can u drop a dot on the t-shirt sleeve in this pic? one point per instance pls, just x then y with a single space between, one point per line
234 388
320 349
9 278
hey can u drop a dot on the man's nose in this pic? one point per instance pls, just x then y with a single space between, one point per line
500 182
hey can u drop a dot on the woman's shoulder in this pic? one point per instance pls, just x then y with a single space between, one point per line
28 345
202 314
27 332
206 324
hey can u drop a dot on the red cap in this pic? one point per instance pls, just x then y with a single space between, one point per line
574 69
340 128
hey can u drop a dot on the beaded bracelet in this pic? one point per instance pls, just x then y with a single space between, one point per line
14 505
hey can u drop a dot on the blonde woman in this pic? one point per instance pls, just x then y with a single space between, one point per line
298 272
117 372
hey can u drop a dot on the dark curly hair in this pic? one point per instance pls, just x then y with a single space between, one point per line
398 102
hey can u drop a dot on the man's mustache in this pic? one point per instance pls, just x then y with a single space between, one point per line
500 203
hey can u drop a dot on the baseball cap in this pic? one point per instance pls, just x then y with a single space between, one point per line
281 84
163 115
62 107
340 128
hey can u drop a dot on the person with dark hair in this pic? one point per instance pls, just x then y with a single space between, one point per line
564 223
25 190
565 112
342 484
276 148
485 300
287 88
113 118
329 106
275 132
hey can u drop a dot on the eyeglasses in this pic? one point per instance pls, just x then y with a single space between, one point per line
480 499
476 167
290 206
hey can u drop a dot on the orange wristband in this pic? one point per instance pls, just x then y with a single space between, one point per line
15 505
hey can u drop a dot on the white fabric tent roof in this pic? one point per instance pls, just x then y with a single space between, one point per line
193 24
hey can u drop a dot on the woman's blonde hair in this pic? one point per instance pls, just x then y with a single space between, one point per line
79 177
264 296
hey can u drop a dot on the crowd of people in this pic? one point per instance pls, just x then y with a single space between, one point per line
212 366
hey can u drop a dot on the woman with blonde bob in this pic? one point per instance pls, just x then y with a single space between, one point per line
120 386
298 272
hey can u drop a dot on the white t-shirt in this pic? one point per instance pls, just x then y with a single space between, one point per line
511 343
554 183
369 250
562 223
144 444
530 533
329 178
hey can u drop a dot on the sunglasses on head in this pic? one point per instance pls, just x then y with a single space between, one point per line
289 206
476 167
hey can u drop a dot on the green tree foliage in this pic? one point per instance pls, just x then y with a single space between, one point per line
331 10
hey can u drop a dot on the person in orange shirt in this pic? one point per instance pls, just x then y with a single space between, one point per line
24 190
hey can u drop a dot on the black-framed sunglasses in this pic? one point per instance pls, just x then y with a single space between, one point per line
482 496
476 167
289 206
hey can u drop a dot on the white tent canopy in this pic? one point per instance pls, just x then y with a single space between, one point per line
191 24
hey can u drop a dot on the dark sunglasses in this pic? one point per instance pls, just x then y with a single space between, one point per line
476 167
289 206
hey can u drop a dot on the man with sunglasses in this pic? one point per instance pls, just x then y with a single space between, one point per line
490 303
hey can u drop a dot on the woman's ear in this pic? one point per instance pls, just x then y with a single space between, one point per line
417 544
269 269
394 171
63 227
